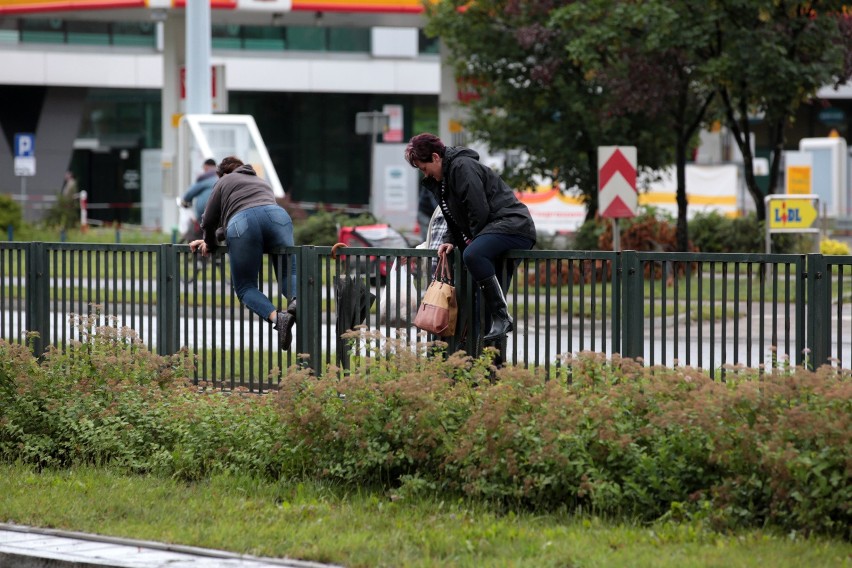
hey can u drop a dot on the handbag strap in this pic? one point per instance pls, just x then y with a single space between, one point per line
442 269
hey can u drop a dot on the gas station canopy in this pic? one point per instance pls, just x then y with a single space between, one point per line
355 13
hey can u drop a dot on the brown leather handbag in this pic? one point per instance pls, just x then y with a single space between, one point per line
439 310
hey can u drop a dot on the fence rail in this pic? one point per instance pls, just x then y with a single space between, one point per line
708 311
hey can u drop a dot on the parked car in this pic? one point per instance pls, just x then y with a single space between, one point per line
377 236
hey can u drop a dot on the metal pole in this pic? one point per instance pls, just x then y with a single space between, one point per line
768 236
24 196
616 235
199 89
372 165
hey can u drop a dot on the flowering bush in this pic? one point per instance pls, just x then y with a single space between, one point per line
764 447
829 246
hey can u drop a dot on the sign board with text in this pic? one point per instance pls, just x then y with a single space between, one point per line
798 168
791 214
25 162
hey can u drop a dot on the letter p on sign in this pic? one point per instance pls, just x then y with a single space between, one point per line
24 155
24 145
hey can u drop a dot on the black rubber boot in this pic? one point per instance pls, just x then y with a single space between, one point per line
495 303
284 325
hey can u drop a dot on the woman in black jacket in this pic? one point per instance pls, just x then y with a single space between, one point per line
484 217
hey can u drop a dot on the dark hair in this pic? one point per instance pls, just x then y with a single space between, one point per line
209 162
227 165
421 147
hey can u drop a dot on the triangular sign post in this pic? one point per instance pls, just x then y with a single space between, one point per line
617 196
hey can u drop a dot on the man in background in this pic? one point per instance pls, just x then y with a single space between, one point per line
196 197
69 185
199 192
425 207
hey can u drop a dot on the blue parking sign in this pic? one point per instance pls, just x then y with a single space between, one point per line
24 145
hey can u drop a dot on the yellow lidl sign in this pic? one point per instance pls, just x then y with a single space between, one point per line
792 213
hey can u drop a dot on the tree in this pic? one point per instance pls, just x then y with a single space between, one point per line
528 94
767 58
558 79
649 57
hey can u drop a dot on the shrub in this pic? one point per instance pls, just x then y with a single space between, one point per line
10 213
708 231
321 228
63 214
765 447
651 230
588 235
712 232
830 246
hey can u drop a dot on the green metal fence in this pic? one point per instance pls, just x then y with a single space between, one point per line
709 311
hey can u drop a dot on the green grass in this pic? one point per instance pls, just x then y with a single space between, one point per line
125 235
358 527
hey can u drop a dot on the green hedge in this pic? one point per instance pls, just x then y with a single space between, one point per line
708 232
608 436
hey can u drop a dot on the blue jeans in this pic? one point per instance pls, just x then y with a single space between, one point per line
483 257
252 233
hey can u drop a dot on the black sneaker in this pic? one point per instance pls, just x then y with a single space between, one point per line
285 330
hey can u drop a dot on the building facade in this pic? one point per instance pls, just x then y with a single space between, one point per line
98 82
93 86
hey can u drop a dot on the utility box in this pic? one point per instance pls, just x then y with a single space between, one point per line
829 174
395 191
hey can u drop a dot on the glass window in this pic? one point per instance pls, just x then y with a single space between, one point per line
88 33
42 31
8 36
255 37
124 114
349 39
312 141
306 38
225 36
424 117
428 44
9 31
136 34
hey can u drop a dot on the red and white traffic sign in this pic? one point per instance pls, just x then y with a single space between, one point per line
617 197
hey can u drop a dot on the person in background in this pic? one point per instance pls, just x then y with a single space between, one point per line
484 219
244 205
425 207
69 185
199 192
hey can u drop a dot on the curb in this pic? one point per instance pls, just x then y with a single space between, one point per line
117 552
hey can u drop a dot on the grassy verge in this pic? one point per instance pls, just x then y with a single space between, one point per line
324 522
128 235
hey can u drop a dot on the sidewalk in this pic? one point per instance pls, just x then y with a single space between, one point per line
29 547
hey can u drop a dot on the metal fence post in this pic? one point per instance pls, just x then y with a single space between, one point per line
167 301
632 306
466 291
818 312
616 298
38 296
308 308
